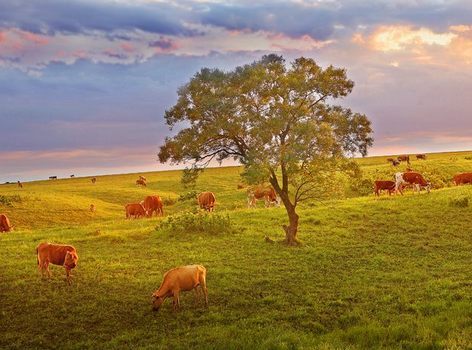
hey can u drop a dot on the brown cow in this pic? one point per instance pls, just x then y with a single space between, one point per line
93 179
463 178
421 156
20 185
57 254
142 178
393 161
261 192
92 208
140 182
135 209
411 178
380 185
153 204
206 200
183 278
404 158
5 225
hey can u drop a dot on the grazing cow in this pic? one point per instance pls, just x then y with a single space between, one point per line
72 175
411 178
142 178
393 161
404 158
135 209
180 279
140 182
206 200
261 192
5 225
56 254
93 179
92 208
153 204
380 185
52 177
20 185
421 156
463 178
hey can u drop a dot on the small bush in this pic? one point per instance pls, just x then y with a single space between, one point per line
200 222
468 158
169 201
362 187
9 200
460 202
187 196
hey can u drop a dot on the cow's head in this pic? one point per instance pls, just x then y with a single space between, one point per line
71 259
156 301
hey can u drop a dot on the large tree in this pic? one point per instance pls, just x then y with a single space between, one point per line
278 121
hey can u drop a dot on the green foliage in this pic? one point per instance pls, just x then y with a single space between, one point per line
9 200
197 222
188 195
168 201
459 202
190 176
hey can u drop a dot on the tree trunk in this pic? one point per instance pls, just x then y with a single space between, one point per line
292 229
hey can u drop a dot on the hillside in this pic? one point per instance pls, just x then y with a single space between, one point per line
390 272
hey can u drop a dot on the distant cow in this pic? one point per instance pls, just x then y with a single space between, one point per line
56 254
393 161
421 156
463 178
153 204
260 192
5 225
93 179
180 279
92 208
387 185
142 178
52 177
411 178
20 185
206 200
72 175
140 182
135 209
404 158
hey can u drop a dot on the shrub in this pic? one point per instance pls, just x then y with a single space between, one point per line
459 202
169 201
188 195
362 187
199 222
9 200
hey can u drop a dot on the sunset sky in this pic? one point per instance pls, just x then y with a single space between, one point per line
84 84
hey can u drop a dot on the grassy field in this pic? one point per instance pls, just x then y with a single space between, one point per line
373 273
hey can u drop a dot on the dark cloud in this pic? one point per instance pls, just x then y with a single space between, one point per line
51 16
162 44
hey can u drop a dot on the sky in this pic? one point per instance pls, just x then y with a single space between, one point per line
84 84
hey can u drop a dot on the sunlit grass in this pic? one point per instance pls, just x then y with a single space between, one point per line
389 272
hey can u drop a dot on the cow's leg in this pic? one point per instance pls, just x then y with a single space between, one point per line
68 276
46 266
204 288
176 301
196 295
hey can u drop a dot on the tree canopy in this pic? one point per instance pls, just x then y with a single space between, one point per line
277 120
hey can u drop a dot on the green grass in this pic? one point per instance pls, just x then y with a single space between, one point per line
389 273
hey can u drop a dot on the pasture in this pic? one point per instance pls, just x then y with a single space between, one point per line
390 272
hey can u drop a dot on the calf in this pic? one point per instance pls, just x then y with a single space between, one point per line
404 158
380 185
184 278
266 193
140 182
56 254
135 209
463 178
421 156
5 225
206 200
